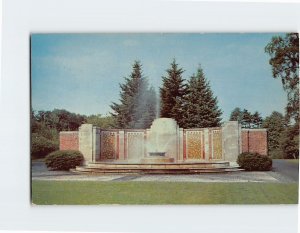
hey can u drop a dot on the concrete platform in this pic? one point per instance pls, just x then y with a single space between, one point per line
189 167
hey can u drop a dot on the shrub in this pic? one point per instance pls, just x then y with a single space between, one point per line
41 146
63 160
254 162
276 153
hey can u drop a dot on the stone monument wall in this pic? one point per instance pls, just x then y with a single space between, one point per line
131 145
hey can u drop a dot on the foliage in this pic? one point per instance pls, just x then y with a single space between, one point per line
284 53
246 118
254 162
276 153
60 119
104 122
290 142
45 127
201 109
236 115
137 101
283 138
256 120
145 109
64 160
275 125
41 129
41 146
172 94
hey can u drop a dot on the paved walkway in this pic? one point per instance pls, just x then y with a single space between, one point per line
40 172
286 168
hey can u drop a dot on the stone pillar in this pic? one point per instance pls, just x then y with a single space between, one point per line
86 142
96 143
231 139
180 143
206 143
121 144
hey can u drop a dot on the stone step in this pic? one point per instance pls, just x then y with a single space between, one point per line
154 170
122 162
158 166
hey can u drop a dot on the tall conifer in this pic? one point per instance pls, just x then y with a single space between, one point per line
201 109
172 93
137 107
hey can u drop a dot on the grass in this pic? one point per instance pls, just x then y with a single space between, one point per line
295 161
95 192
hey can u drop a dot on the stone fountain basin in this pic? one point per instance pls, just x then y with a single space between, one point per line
157 153
156 158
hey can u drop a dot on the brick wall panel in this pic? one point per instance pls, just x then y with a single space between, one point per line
245 141
69 140
255 141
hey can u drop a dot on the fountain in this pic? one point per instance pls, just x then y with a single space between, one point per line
161 144
157 153
163 149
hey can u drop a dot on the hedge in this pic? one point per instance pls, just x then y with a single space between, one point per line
254 162
63 160
41 146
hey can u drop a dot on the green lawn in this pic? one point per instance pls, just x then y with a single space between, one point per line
295 161
95 192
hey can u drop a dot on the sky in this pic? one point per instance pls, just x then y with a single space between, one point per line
82 72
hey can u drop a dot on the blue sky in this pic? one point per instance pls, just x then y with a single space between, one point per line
81 72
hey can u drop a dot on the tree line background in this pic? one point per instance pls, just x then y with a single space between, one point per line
190 102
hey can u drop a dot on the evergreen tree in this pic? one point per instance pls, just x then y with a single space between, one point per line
135 109
246 119
256 120
145 109
172 94
275 125
236 115
201 109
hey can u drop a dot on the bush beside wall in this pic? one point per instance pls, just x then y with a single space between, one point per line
254 162
64 160
41 146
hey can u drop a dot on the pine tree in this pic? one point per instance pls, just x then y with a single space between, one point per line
256 120
246 119
172 94
145 108
201 109
135 109
236 115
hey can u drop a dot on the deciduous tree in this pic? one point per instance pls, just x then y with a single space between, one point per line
275 125
284 53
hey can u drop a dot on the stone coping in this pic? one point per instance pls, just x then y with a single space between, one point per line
175 163
67 132
254 129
